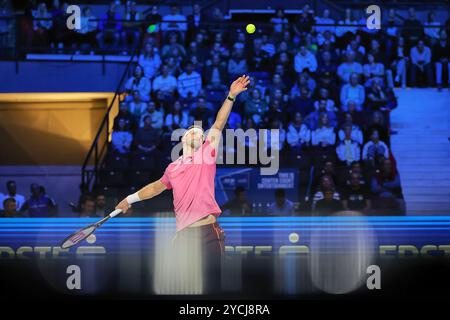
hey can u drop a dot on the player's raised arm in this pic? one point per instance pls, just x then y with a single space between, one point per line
149 191
238 86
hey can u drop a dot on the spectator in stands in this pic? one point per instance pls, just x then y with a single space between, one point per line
258 58
375 151
282 205
352 92
324 136
373 70
326 40
237 65
220 46
348 67
11 188
356 196
217 18
326 186
189 82
175 21
193 54
239 205
324 97
174 65
202 48
110 27
386 186
283 56
304 80
255 107
252 143
348 150
441 56
356 134
268 45
154 16
132 25
378 98
124 113
276 84
9 209
173 48
298 135
400 58
140 83
87 207
326 65
379 55
136 107
313 119
201 112
100 205
156 116
286 76
305 60
432 28
280 23
234 120
355 168
357 48
147 139
392 22
328 169
165 83
304 22
5 12
270 135
412 29
150 61
41 27
325 23
196 19
377 122
39 205
60 34
88 31
176 118
346 29
328 205
421 63
121 138
276 109
215 74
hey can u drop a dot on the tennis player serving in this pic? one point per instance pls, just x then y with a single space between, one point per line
191 177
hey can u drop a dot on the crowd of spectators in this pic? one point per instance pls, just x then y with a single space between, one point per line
38 205
328 89
326 84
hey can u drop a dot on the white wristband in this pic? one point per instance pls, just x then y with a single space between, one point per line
132 198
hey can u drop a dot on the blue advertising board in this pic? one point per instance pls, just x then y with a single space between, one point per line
259 188
420 235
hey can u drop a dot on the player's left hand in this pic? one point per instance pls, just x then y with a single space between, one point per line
239 85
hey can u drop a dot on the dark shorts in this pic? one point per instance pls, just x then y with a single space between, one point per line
208 243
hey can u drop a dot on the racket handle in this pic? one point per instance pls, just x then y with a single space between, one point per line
115 213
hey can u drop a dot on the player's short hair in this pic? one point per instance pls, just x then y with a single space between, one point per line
194 126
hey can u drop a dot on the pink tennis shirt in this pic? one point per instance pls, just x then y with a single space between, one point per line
192 181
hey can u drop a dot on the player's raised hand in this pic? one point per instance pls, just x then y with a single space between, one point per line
239 85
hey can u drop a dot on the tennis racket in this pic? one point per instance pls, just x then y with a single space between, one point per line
85 232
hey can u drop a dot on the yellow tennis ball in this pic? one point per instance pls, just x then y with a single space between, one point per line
250 28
